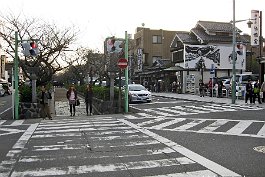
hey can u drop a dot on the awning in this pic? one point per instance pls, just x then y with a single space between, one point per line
174 68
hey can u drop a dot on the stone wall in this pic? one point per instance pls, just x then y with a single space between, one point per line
29 110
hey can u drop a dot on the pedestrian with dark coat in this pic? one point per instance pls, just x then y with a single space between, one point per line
201 88
44 97
89 99
220 88
249 92
71 95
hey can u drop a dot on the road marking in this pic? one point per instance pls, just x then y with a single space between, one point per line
201 173
190 124
158 112
7 166
216 168
17 123
2 122
168 123
173 110
104 168
239 127
10 131
5 110
150 121
144 152
262 131
214 126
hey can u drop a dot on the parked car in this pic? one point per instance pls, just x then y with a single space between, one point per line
226 83
242 79
7 87
2 90
138 93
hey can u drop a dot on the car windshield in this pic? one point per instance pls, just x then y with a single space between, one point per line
136 88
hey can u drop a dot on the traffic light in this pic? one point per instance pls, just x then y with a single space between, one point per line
30 49
34 51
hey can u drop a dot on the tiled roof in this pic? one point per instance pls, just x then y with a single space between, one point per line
201 34
184 37
217 26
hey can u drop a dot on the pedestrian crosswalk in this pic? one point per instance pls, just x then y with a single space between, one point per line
211 126
191 110
104 146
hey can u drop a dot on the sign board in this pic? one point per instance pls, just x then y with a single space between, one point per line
255 27
218 55
122 63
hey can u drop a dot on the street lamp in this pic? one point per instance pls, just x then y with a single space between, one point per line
234 52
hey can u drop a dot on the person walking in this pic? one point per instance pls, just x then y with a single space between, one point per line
201 88
262 91
210 87
71 95
249 92
88 99
256 92
220 87
44 97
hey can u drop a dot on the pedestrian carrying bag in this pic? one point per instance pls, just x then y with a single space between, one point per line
77 102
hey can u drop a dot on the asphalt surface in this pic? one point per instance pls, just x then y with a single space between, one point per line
175 135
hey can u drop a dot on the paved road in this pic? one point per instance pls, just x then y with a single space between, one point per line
168 137
102 146
6 107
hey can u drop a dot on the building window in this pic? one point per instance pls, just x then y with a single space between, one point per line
157 39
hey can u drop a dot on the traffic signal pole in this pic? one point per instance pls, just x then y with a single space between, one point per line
126 75
16 100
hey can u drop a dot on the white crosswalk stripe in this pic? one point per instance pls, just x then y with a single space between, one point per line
239 127
188 123
262 131
213 126
2 122
56 141
190 110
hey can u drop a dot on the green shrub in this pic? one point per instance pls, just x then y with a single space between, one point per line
25 93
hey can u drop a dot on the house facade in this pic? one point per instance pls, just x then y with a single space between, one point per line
206 51
151 54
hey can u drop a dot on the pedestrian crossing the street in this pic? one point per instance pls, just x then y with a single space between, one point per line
210 126
104 146
191 110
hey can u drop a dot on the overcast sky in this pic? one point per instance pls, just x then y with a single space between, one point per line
98 19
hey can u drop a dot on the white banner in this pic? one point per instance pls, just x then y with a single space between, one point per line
219 56
140 59
255 28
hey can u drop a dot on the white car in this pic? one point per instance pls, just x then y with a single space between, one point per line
2 90
138 93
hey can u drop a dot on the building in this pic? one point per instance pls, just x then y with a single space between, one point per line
151 54
206 51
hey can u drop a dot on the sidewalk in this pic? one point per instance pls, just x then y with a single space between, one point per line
61 104
208 99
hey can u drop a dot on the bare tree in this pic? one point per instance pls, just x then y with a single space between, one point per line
86 62
52 43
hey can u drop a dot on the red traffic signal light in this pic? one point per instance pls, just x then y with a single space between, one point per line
33 45
34 51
